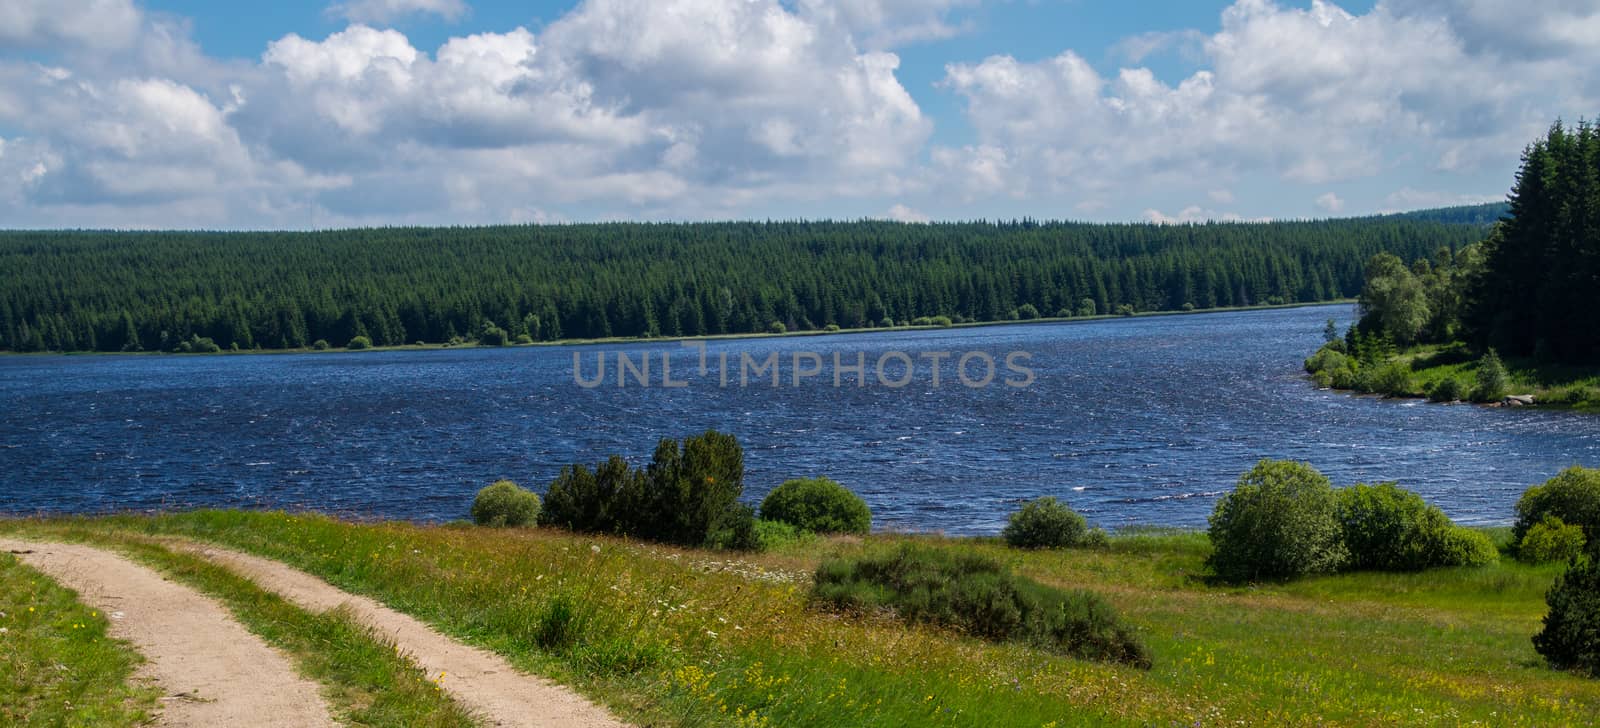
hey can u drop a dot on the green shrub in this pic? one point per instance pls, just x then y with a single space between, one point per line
777 327
1325 359
1027 312
830 328
197 344
359 342
1280 522
887 322
1388 528
686 496
819 505
1045 523
1573 496
942 321
1550 539
524 339
978 596
505 504
1392 379
320 345
1448 389
491 335
1493 382
735 530
1570 639
778 536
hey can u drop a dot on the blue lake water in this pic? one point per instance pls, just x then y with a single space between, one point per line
1142 420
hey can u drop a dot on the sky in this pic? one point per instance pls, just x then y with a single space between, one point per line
302 114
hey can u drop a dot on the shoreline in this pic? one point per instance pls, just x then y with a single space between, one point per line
702 337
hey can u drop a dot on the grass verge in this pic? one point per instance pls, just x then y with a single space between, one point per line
672 637
57 665
364 678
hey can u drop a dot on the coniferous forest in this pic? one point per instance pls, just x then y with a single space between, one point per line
143 291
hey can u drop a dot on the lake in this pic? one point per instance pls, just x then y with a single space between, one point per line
1131 421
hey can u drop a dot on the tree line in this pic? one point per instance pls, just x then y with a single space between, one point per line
133 291
1530 289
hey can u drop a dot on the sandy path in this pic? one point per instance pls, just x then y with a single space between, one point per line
215 672
481 680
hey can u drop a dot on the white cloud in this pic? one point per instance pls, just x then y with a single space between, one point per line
887 23
1330 202
1303 96
389 11
1194 214
901 213
104 24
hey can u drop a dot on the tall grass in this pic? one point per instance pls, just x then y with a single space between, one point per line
682 637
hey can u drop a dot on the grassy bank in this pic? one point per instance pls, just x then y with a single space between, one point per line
1419 371
57 665
681 637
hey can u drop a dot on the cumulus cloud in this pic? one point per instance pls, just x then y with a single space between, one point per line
674 109
1330 202
1302 95
105 24
389 11
901 213
626 108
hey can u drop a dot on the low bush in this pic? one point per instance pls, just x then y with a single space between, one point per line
1572 496
320 345
735 530
504 503
1392 379
197 344
978 596
819 505
777 327
1570 396
1045 523
777 535
1493 382
359 342
491 335
1550 539
1280 522
688 495
1570 639
1448 389
1388 528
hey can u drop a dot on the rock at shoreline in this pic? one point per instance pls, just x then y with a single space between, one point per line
1518 400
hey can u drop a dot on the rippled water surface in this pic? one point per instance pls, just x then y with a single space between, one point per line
1140 420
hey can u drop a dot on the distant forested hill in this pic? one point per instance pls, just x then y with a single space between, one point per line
116 291
1485 215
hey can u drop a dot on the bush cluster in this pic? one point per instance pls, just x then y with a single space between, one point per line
1285 520
1389 528
1280 522
689 495
358 343
1493 382
818 505
1570 639
504 503
1448 389
1572 496
978 596
1046 523
1551 539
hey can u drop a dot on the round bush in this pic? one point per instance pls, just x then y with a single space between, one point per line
1572 496
819 505
1280 522
504 503
1045 523
320 345
360 342
1388 528
1550 539
1570 639
1448 389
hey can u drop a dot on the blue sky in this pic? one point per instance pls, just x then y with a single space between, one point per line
296 114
